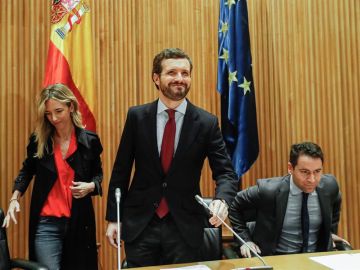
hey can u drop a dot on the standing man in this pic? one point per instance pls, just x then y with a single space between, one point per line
168 140
294 213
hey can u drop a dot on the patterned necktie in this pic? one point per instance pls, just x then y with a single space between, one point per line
305 221
166 156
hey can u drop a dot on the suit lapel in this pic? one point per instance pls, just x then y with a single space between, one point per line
281 203
324 202
49 163
189 131
150 123
48 160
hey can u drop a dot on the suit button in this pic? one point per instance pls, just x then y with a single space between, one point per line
164 185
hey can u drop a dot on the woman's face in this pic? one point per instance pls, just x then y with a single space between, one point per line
58 113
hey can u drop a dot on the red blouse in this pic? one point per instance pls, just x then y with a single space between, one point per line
59 200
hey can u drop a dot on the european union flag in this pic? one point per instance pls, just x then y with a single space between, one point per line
236 86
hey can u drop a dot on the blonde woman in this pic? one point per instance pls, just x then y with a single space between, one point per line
65 160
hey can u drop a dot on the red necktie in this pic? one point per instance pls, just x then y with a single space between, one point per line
166 155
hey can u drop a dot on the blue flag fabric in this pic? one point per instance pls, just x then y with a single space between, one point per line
236 86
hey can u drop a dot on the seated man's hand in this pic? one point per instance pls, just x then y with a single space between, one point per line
219 208
246 252
337 238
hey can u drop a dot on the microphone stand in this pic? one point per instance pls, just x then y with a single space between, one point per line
264 267
117 196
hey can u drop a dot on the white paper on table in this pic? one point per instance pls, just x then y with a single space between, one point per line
191 267
340 261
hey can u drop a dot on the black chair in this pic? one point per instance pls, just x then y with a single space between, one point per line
5 262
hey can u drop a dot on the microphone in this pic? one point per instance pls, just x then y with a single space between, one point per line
118 196
264 267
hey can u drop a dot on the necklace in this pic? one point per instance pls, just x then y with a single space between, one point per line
64 143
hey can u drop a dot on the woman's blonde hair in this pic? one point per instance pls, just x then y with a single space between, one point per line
44 129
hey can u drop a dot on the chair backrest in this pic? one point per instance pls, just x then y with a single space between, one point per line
212 245
4 249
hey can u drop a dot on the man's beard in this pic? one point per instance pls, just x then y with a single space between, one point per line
175 94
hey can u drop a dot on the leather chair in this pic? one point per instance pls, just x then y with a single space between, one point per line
5 262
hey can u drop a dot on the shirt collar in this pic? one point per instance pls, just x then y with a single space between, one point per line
181 108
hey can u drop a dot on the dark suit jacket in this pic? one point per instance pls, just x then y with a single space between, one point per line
80 251
266 204
200 138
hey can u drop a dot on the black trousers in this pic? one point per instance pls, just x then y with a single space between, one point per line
160 243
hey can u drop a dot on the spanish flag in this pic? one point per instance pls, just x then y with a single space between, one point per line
69 58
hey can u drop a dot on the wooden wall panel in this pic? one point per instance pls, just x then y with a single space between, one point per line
23 41
306 73
306 58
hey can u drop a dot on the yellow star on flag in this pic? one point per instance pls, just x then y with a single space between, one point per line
232 77
230 3
225 55
224 27
246 86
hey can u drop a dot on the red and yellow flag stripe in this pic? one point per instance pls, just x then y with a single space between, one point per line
70 60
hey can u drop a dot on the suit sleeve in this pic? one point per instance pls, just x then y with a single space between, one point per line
221 166
243 209
336 213
121 172
28 169
96 170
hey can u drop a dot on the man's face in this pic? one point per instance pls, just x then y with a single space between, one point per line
307 173
175 79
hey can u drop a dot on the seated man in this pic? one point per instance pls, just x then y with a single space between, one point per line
294 213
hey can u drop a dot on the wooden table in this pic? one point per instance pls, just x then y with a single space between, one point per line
283 262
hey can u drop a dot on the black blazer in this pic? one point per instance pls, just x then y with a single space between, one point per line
200 138
80 249
266 204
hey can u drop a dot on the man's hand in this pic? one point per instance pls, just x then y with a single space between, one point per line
336 238
246 252
112 233
218 207
13 207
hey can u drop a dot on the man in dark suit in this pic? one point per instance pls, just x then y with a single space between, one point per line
295 213
168 140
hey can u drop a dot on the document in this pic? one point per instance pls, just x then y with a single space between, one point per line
191 267
339 261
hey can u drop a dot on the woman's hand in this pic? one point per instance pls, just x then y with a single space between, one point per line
13 207
81 189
